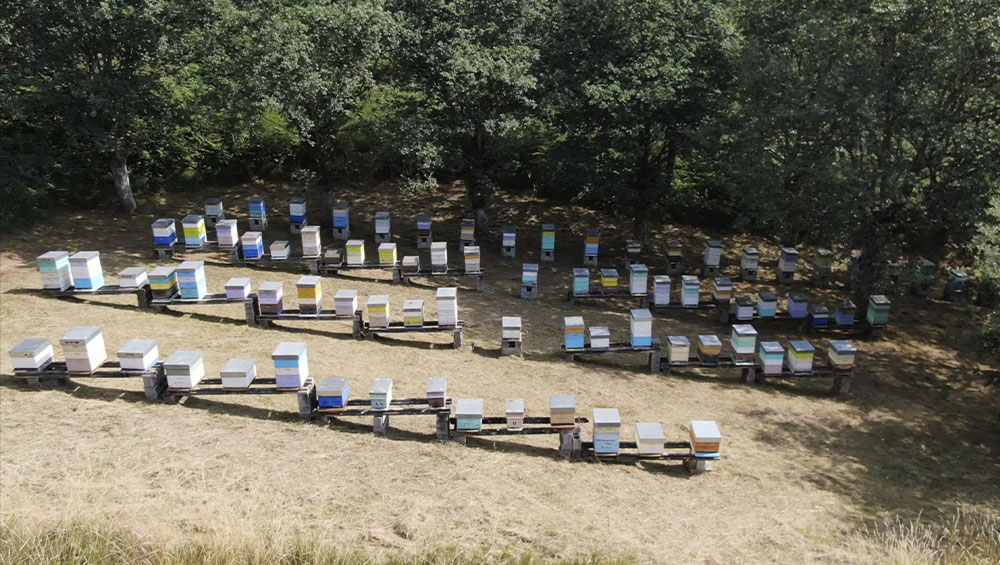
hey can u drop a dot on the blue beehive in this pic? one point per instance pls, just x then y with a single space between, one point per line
469 414
798 305
257 207
819 315
574 332
844 314
333 392
191 279
581 281
767 304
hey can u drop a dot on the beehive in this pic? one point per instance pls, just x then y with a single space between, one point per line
133 277
508 240
333 392
713 253
252 243
378 310
447 306
770 357
85 266
213 209
562 409
600 337
845 312
709 349
678 350
238 374
743 341
819 315
291 365
163 282
675 254
638 275
609 281
581 282
787 262
413 313
468 233
842 354
439 257
380 394
472 259
515 413
511 327
271 297
310 294
341 220
424 235
191 280
257 208
54 268
798 305
823 262
411 264
469 414
83 349
387 253
744 308
878 310
355 252
32 354
661 290
749 262
279 250
238 288
767 304
607 431
799 356
382 227
548 242
184 370
722 289
194 231
649 439
641 327
690 291
297 210
164 231
346 302
573 332
633 249
591 244
437 392
138 355
226 233
311 241
705 437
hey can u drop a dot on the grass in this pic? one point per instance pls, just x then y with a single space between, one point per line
972 536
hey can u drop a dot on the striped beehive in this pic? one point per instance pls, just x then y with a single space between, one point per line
770 357
767 304
387 254
787 263
437 392
468 232
469 414
798 305
280 250
213 209
607 431
600 337
237 288
310 294
819 315
510 328
633 251
842 354
226 233
744 308
581 281
257 208
184 369
345 302
591 244
271 297
382 227
355 252
508 241
573 332
380 394
705 437
238 374
333 392
291 365
378 310
722 289
54 268
32 354
252 243
413 313
661 290
164 231
743 341
562 409
311 241
649 439
690 291
447 306
439 257
297 210
678 350
713 253
341 221
799 356
191 280
878 310
85 266
749 263
424 233
472 259
514 412
844 314
194 231
609 281
548 242
163 282
641 327
709 349
823 265
529 280
638 277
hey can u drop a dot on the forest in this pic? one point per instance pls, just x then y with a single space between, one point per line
854 125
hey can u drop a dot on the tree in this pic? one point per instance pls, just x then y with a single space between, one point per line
630 85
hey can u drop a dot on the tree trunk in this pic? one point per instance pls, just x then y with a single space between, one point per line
650 191
123 188
480 188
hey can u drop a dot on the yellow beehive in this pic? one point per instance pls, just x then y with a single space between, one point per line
387 254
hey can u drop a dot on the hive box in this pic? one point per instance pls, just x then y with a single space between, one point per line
591 243
238 374
709 349
279 250
341 220
413 313
191 280
749 261
468 234
439 257
297 210
705 437
574 332
226 233
291 365
378 310
271 296
661 290
346 303
744 308
85 266
607 431
767 304
387 253
844 314
252 243
164 231
600 337
213 209
511 327
690 291
529 280
382 232
257 208
163 282
447 306
842 354
823 265
381 394
133 277
32 354
581 282
722 289
548 242
678 350
138 355
194 231
184 369
469 414
55 270
641 327
515 413
609 281
411 264
311 241
355 252
819 316
649 439
237 288
878 310
424 236
472 259
799 356
786 264
333 392
83 348
437 392
675 254
310 294
508 240
713 253
798 305
638 275
562 409
633 249
771 357
743 340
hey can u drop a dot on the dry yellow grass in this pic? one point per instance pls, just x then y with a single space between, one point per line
802 472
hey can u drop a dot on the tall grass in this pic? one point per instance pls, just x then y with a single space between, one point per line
81 543
971 536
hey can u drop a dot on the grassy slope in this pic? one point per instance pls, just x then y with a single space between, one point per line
802 471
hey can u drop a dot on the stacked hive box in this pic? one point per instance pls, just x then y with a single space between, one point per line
271 296
787 263
437 392
191 279
770 357
508 240
164 231
310 291
237 288
297 211
138 355
678 350
194 231
822 266
749 263
641 327
661 290
591 243
378 311
690 291
514 412
744 308
562 410
333 392
411 264
799 356
472 259
705 438
184 370
85 266
32 354
238 374
133 277
469 414
291 365
213 212
958 284
878 310
844 314
607 431
252 243
424 234
163 282
722 289
924 277
280 250
649 439
712 257
675 254
332 258
510 328
258 213
55 270
633 251
346 302
226 233
380 394
356 252
468 234
638 275
767 304
609 281
709 349
311 241
842 354
581 282
744 342
413 313
341 220
573 332
387 254
439 257
447 306
819 316
798 305
548 242
529 280
600 337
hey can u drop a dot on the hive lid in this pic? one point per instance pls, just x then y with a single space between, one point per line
381 386
609 272
241 366
767 296
593 231
161 272
410 260
382 215
439 245
510 322
271 286
578 272
599 331
85 255
413 304
334 384
193 219
573 321
879 300
256 200
638 268
515 406
674 244
798 297
548 227
289 349
227 223
641 314
661 279
678 340
789 251
298 200
562 402
137 347
237 282
309 280
690 280
848 304
710 340
818 308
802 346
378 299
279 243
341 206
85 333
32 345
386 247
649 431
252 235
958 273
164 223
53 255
469 407
607 417
705 430
824 253
751 251
191 266
633 244
423 218
213 201
771 347
713 243
744 330
346 293
744 301
530 267
355 243
131 271
722 282
447 292
468 222
925 263
308 229
842 346
509 229
472 250
183 359
437 385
